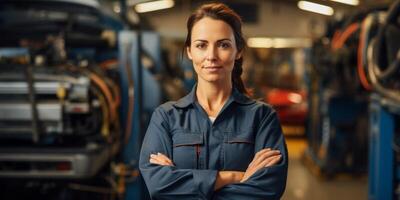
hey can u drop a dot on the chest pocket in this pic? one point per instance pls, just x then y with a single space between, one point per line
238 150
186 149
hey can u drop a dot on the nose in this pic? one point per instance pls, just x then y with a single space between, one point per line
211 53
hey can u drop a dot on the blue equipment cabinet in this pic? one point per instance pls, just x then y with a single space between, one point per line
382 162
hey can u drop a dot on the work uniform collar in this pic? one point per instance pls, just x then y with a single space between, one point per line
191 98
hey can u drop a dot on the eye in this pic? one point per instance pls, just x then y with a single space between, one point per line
201 45
224 45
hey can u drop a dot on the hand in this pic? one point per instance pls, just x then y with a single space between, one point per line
160 159
226 178
263 158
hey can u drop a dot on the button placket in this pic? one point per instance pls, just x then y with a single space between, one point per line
204 156
222 152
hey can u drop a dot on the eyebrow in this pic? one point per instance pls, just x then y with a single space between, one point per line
221 40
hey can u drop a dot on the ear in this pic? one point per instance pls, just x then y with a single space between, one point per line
189 54
239 55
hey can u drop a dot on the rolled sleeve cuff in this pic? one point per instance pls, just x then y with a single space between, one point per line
205 180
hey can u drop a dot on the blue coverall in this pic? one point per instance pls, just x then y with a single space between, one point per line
199 149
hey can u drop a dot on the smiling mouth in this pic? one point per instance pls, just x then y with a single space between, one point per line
212 67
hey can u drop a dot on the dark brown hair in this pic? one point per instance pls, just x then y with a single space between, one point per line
222 12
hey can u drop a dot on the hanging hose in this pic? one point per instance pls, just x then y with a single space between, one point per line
391 18
106 91
388 72
105 128
109 64
390 94
117 100
340 38
114 89
360 52
376 49
343 57
131 95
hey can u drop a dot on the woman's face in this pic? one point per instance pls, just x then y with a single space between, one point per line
213 50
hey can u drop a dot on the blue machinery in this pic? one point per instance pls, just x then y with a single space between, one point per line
367 55
383 70
133 74
377 40
337 117
383 167
342 143
140 94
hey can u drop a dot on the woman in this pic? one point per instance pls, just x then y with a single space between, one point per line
215 143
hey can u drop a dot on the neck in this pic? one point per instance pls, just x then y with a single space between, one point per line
212 97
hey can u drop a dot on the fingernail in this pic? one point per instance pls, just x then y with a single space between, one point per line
152 155
158 153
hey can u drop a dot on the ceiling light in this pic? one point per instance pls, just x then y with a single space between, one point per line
348 2
264 42
260 42
154 5
314 7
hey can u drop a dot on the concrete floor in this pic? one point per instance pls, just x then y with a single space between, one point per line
302 184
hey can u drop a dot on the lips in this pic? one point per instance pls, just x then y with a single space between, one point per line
212 69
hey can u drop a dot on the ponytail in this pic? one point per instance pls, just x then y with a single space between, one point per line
237 81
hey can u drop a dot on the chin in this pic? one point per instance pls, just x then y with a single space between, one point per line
213 78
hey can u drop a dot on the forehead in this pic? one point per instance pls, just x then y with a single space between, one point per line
211 29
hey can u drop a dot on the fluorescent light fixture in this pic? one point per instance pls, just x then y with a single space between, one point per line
154 5
348 2
316 8
260 42
264 42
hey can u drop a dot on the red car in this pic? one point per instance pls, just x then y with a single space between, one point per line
291 107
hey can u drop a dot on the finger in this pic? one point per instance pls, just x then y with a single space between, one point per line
165 158
154 161
258 154
169 162
159 162
274 161
267 161
157 156
270 161
262 151
159 159
266 155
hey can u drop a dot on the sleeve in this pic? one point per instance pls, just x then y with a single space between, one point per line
269 182
169 182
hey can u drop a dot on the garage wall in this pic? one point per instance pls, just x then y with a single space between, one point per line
281 19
